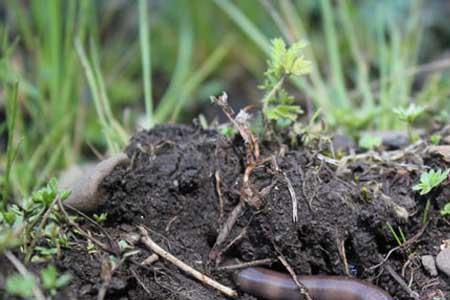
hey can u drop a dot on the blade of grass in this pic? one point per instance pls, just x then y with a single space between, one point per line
200 75
11 115
334 55
144 35
185 47
245 24
362 76
95 93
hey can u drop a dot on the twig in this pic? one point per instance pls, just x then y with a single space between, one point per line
113 245
302 288
151 245
24 272
150 260
219 193
401 282
225 231
290 188
139 280
259 262
83 233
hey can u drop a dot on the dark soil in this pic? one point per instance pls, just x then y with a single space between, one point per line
342 215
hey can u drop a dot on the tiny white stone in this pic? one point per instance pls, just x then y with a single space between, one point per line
443 261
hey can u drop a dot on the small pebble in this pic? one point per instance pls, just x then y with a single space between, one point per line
443 261
429 264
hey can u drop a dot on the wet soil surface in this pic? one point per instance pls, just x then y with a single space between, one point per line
171 188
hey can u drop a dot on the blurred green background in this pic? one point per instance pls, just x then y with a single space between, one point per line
77 78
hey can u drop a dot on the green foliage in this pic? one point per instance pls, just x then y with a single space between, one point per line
52 281
101 218
435 139
20 285
445 211
22 225
284 62
409 114
430 180
370 142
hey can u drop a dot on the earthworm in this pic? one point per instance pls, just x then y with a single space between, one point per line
271 285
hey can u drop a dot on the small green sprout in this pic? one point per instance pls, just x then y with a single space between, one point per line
430 180
52 281
446 210
409 116
20 285
436 139
369 142
101 218
284 62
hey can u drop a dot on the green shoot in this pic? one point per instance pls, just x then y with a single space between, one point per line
101 218
409 116
435 139
399 237
445 211
52 281
284 62
430 180
20 285
369 142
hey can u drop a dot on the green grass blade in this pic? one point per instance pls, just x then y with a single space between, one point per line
200 75
245 24
185 49
334 55
144 34
11 117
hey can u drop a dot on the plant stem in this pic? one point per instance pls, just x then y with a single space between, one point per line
272 92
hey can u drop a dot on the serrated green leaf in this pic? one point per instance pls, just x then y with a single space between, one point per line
289 112
20 285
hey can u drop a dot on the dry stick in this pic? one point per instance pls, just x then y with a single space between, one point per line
225 231
290 188
138 279
219 193
303 289
82 232
151 245
401 282
253 263
90 220
150 260
24 272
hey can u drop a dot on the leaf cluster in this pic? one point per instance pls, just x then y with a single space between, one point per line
409 114
284 62
430 180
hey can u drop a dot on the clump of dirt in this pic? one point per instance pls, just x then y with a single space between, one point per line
184 181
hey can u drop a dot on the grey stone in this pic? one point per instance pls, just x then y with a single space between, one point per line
443 261
429 264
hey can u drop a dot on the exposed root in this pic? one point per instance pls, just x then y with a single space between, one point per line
254 263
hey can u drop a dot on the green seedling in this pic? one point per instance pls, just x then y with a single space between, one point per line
369 142
284 62
20 285
101 218
435 139
409 116
52 281
430 180
399 237
445 211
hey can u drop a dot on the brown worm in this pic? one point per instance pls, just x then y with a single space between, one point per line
271 285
